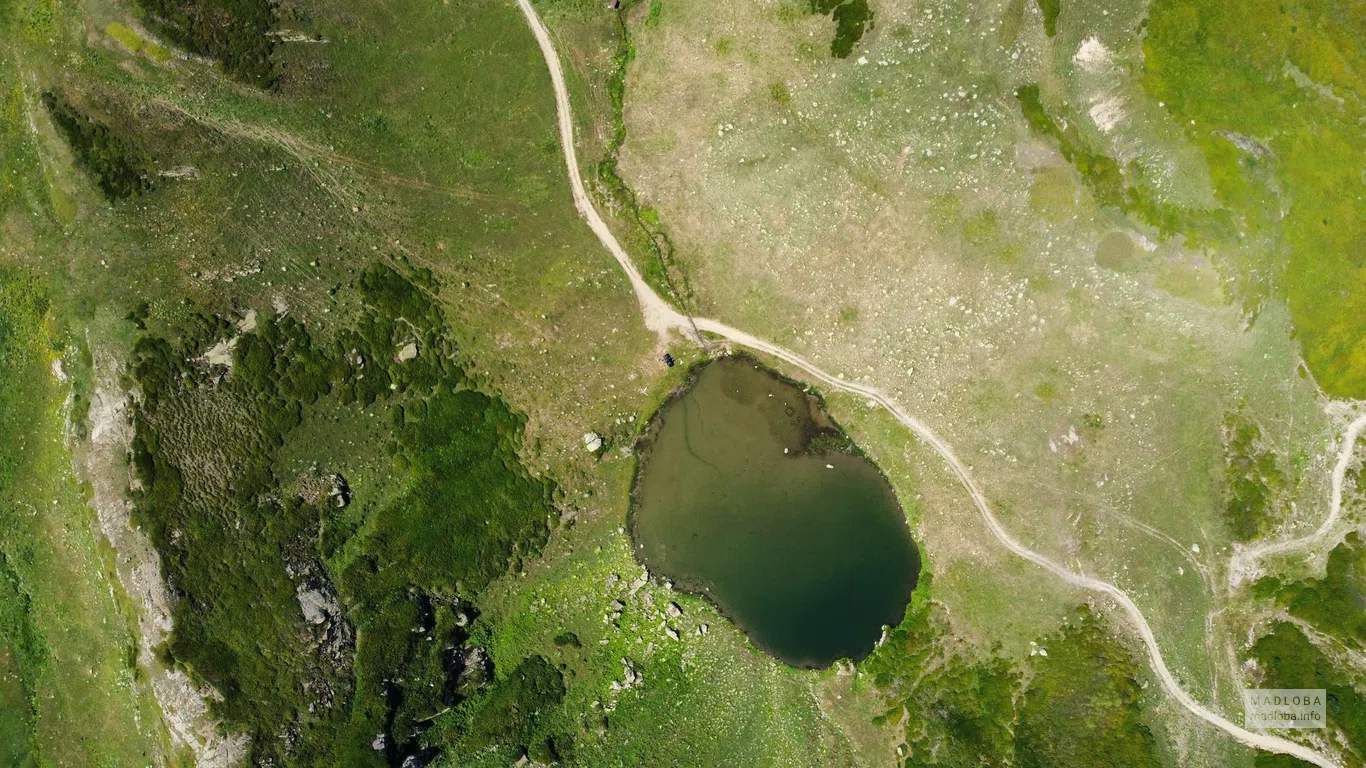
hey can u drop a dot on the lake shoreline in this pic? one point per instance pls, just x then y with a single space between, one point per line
821 436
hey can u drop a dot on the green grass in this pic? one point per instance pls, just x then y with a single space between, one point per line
127 37
256 199
1078 705
1226 71
512 711
136 43
68 650
1253 480
16 748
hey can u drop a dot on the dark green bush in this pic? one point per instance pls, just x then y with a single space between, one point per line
513 709
232 542
1252 480
1050 9
117 167
233 32
1290 660
852 18
1082 705
1333 604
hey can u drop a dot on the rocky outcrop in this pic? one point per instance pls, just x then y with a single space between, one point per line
102 461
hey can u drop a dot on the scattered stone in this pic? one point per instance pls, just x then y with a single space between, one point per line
316 605
181 172
221 353
1246 144
638 583
408 352
671 632
474 673
673 610
340 493
592 442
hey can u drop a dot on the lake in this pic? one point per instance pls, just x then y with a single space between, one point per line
746 492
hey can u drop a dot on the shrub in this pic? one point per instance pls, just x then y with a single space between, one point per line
117 167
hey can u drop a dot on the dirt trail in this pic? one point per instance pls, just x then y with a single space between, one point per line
658 315
1246 563
662 319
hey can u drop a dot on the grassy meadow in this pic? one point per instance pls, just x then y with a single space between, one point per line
1048 234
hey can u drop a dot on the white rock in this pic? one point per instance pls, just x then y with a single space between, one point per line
592 442
1092 55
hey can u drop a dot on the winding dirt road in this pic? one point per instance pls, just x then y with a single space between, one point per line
1246 562
663 319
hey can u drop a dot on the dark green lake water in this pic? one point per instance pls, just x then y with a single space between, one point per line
807 551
